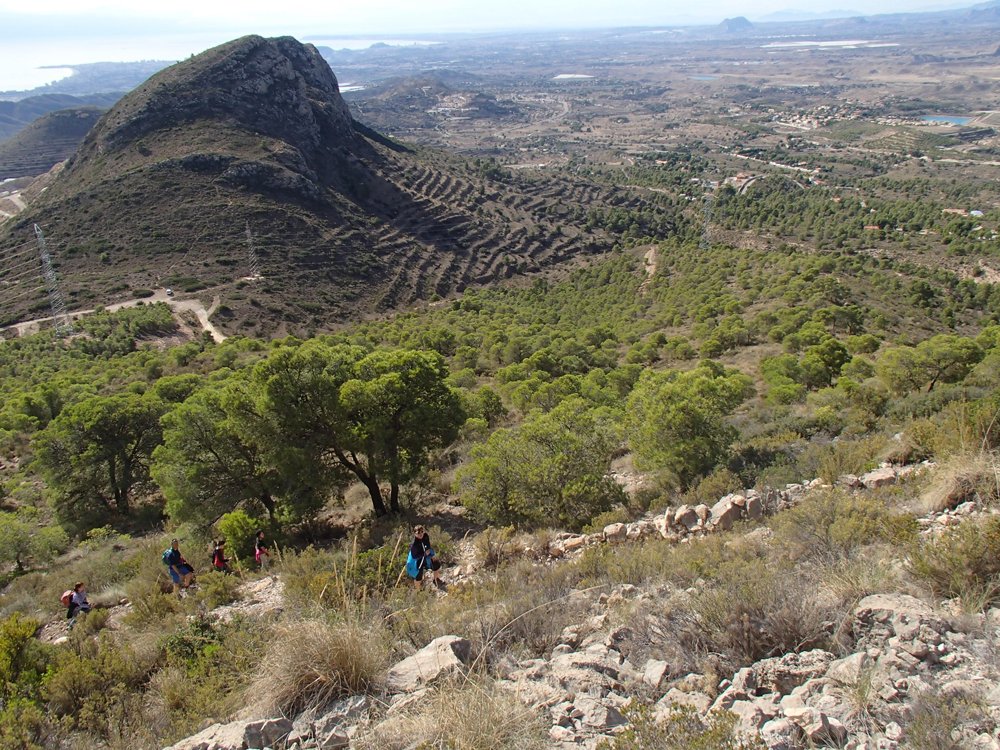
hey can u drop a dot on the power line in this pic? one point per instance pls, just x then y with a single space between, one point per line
252 256
63 324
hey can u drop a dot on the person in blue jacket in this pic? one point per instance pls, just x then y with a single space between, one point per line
422 558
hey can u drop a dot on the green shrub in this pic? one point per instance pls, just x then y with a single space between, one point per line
104 537
962 562
239 529
24 725
832 523
23 659
681 729
939 718
208 667
216 588
598 522
150 592
754 608
551 467
90 685
719 483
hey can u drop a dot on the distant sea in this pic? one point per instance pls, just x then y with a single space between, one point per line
25 64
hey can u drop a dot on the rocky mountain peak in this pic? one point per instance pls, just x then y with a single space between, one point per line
273 87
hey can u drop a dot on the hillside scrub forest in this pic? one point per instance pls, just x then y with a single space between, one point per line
729 368
503 419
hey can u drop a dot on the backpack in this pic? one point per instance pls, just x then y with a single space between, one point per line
67 598
167 555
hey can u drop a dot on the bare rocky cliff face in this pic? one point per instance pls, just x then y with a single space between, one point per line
277 89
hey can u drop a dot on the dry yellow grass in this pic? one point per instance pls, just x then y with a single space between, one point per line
461 716
312 661
964 476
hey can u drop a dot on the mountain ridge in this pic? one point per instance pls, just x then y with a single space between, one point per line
255 135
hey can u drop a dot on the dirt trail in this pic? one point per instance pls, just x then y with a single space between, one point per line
649 261
195 306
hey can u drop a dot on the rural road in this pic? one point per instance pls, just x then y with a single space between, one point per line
177 305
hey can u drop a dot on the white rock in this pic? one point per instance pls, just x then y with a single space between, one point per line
879 478
724 514
441 657
615 532
686 516
698 701
654 673
848 671
781 734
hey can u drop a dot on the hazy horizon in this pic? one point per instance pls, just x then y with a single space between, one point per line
57 18
60 33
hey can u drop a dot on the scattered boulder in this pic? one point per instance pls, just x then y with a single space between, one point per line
615 532
239 735
441 657
879 478
654 673
784 673
725 513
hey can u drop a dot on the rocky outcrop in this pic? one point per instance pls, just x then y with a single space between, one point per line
442 657
238 735
279 87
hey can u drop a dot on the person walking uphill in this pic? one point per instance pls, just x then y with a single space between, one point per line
181 573
422 558
219 560
77 603
261 553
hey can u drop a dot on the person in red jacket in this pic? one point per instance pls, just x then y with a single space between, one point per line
219 561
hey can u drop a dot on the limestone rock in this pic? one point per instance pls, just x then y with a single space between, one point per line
781 734
674 697
724 514
782 674
849 670
596 715
615 532
443 656
686 516
596 670
654 673
879 478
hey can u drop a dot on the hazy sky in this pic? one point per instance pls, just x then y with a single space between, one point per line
61 17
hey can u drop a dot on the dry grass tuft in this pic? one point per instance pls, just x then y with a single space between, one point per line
313 661
461 716
963 477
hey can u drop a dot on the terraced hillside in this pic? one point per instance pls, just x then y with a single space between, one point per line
343 222
49 140
17 115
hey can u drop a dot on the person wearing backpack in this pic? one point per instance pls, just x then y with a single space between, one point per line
421 558
260 551
219 561
181 573
77 602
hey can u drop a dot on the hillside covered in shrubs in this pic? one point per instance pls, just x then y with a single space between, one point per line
509 421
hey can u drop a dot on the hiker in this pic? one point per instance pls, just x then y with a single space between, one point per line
181 573
422 558
219 561
260 551
77 603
